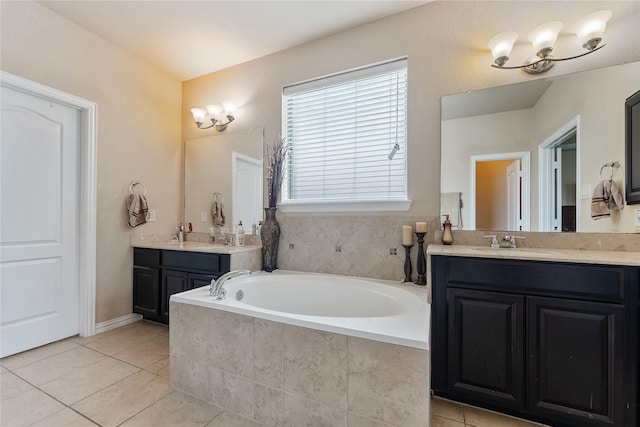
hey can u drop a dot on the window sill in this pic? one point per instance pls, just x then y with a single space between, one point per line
350 206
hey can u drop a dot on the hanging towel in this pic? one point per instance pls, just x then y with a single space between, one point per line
217 213
138 210
606 196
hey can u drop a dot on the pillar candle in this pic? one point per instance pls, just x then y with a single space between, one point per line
421 227
407 235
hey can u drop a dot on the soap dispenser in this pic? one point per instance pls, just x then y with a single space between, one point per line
447 235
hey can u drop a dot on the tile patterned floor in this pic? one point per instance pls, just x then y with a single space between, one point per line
121 378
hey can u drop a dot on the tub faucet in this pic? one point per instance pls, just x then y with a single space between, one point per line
217 290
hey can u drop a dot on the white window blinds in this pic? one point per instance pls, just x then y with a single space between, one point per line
342 131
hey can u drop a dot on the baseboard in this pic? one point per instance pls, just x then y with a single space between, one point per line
117 322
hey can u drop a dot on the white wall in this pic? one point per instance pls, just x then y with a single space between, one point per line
138 129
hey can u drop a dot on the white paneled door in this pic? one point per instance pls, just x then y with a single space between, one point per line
39 232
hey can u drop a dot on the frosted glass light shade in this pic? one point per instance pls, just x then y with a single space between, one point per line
214 111
590 28
229 108
544 37
501 46
199 115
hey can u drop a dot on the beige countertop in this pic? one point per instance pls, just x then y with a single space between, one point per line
539 254
195 247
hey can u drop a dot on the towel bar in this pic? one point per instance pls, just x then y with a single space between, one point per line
611 166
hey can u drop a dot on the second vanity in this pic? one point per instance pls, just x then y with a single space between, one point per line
548 335
161 269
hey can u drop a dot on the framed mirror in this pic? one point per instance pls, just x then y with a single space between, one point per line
227 168
527 156
632 123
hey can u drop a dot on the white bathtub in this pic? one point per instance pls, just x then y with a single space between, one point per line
365 308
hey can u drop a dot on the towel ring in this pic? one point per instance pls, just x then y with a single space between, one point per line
136 183
218 197
611 166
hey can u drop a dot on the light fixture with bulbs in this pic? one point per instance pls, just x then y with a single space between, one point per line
588 29
219 117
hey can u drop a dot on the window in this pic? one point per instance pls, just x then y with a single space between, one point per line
348 139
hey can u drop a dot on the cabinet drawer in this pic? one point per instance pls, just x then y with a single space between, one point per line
535 277
193 261
146 257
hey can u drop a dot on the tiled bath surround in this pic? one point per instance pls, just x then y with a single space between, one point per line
283 375
349 245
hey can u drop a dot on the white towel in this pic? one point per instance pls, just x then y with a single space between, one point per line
138 210
606 196
217 213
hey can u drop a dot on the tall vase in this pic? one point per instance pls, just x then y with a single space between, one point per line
270 235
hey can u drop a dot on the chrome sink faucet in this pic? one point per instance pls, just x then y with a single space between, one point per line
217 291
511 240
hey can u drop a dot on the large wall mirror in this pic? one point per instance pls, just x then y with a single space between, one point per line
226 167
528 156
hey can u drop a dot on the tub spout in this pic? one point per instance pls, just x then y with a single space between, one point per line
217 290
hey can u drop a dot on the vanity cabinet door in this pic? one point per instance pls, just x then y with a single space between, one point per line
146 299
200 280
173 282
576 361
486 347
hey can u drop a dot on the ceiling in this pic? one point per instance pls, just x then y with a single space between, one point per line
192 38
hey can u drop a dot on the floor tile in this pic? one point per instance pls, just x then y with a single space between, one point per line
146 352
475 417
85 381
447 409
175 409
145 325
438 421
48 369
27 408
119 341
27 357
161 368
120 401
11 385
227 419
65 418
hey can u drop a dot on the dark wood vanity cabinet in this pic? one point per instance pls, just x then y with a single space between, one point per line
552 342
158 274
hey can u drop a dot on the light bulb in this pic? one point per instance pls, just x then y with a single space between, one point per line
214 111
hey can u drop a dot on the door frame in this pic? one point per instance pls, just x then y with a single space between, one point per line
545 169
525 158
87 191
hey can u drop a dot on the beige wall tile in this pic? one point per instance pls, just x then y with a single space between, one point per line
175 409
268 406
227 419
27 408
447 409
120 401
387 382
191 377
80 383
189 332
268 352
231 392
315 365
299 411
230 342
355 420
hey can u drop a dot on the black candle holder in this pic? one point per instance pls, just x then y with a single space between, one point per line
407 263
421 264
